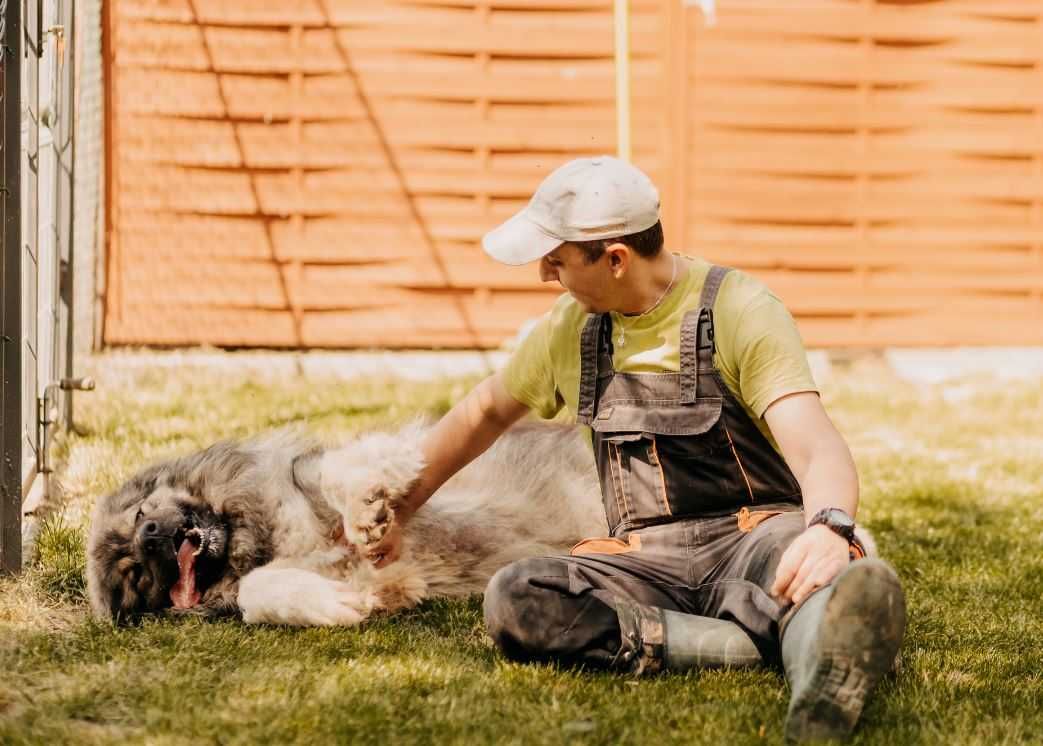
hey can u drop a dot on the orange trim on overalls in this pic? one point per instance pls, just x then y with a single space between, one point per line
750 519
653 454
618 476
749 487
607 546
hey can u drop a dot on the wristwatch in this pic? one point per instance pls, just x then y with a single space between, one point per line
837 521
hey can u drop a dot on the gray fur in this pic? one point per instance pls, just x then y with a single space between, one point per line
284 500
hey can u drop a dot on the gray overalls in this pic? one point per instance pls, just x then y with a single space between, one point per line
688 481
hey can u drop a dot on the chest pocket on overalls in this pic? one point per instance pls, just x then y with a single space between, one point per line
661 458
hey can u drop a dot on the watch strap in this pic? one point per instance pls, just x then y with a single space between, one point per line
823 517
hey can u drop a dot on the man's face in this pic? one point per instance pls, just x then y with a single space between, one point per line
590 284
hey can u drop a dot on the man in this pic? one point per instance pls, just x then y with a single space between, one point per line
729 493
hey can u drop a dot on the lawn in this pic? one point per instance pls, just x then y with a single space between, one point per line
952 486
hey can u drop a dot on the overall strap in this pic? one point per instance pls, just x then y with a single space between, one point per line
595 356
713 285
697 342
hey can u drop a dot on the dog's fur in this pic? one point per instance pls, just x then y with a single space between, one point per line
265 518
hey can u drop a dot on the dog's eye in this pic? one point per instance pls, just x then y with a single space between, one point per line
137 516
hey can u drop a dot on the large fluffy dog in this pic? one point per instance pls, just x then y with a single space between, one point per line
269 528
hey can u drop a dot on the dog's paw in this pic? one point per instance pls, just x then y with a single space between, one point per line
340 606
366 482
301 598
371 518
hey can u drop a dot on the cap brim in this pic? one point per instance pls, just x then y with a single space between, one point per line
519 241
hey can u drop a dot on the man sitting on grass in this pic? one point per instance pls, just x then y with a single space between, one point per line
729 493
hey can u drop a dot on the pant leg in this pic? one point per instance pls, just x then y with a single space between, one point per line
738 586
561 608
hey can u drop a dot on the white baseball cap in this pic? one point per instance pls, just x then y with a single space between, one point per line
583 200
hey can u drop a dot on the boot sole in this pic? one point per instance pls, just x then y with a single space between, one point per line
861 633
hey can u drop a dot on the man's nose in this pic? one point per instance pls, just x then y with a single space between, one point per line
547 272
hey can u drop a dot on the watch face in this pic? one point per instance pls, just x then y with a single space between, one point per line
840 519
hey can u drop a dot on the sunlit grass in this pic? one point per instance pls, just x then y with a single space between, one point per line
952 484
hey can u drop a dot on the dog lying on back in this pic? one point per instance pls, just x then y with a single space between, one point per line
270 528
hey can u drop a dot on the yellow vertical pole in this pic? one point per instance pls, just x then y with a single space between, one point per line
622 23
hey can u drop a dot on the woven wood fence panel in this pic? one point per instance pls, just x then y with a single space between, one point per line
879 164
318 173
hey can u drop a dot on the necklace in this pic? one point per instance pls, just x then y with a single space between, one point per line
673 277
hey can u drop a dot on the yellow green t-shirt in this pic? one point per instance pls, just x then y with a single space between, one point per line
759 353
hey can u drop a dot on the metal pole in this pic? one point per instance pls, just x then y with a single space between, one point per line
622 23
11 305
67 189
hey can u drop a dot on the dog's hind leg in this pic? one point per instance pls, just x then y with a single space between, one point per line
290 595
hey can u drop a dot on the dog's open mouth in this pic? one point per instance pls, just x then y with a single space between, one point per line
184 594
197 542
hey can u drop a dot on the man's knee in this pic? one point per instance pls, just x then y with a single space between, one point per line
776 534
521 602
760 557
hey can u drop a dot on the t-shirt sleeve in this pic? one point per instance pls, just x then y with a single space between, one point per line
770 353
528 375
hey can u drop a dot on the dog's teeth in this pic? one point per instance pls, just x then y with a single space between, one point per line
203 536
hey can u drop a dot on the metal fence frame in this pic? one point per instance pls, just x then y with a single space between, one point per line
38 134
11 340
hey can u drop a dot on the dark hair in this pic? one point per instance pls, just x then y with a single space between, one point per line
647 243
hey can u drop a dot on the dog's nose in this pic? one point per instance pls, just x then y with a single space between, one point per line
150 536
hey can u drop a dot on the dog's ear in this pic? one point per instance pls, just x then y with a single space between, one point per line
307 472
111 575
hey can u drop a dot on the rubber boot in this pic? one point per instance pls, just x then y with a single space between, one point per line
653 639
837 645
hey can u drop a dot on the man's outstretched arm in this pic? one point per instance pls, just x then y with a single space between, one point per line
463 434
821 461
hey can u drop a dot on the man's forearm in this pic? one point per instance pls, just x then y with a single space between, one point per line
463 434
816 452
822 463
830 479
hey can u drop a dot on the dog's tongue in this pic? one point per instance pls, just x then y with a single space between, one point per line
184 593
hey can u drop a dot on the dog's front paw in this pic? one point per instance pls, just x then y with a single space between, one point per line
372 518
367 482
301 598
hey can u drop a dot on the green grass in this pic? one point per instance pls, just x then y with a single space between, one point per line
952 487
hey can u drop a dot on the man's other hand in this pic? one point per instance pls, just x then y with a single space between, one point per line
811 562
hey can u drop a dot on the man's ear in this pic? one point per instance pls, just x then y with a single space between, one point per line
619 258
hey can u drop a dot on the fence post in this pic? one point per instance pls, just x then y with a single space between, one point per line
11 306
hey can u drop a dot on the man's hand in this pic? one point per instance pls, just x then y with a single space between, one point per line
462 435
811 562
388 548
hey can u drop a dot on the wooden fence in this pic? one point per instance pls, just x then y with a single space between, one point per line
319 173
